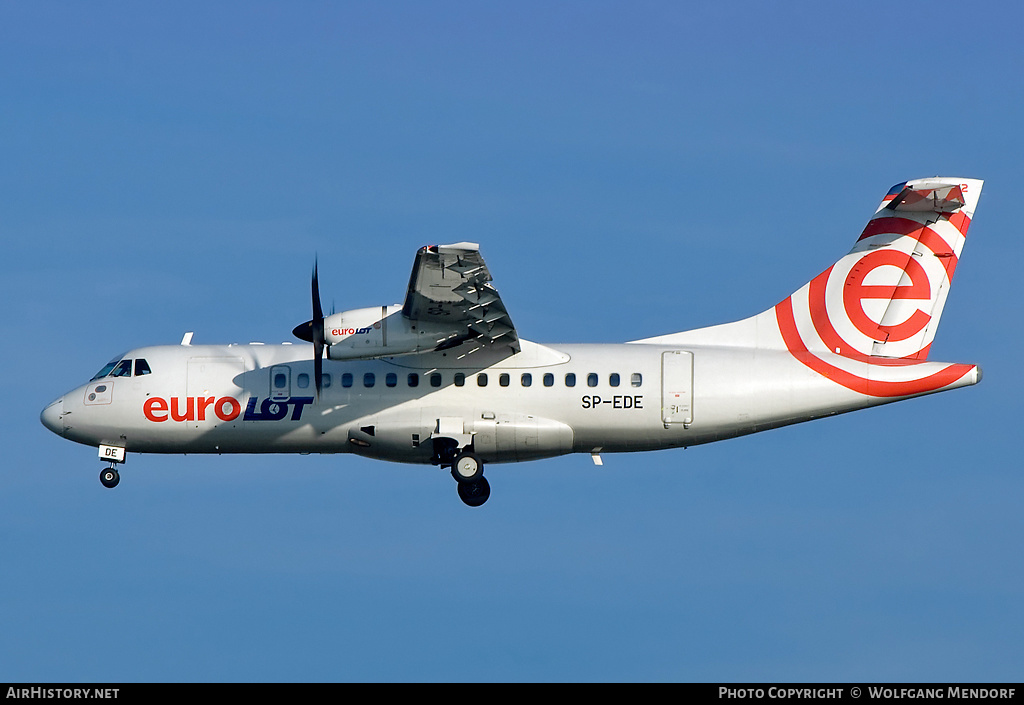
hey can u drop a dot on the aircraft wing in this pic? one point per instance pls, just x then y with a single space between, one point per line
451 286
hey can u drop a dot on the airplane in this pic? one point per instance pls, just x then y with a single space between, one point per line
444 378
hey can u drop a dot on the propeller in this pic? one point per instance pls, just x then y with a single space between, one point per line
313 332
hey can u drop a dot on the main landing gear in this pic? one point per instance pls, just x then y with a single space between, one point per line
474 493
468 471
466 467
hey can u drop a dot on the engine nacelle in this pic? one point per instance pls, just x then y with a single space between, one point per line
380 331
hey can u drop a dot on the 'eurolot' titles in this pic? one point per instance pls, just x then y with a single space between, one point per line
158 409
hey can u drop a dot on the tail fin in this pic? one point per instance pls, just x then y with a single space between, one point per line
880 302
884 298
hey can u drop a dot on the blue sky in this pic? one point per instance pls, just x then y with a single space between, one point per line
629 169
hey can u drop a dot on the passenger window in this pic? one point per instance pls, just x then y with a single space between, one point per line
570 379
123 369
414 379
503 379
391 379
325 380
369 379
481 379
302 381
592 379
346 379
435 379
549 380
613 379
460 379
141 368
637 379
527 379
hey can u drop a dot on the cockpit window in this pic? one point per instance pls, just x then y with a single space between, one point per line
107 368
123 369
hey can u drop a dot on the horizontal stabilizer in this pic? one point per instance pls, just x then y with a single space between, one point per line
927 196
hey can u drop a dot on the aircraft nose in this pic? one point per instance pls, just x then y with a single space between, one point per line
52 416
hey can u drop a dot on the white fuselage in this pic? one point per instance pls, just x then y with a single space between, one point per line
541 402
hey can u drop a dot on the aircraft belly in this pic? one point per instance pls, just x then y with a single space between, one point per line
406 433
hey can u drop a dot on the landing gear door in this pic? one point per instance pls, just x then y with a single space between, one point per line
677 387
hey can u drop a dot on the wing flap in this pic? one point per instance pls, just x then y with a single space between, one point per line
450 285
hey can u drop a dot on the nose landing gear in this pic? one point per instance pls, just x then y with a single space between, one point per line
113 455
109 477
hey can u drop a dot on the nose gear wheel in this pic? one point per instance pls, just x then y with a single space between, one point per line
109 477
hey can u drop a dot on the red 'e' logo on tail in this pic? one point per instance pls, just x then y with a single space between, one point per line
856 291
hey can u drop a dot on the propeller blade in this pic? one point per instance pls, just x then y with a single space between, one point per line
317 325
318 368
318 313
312 331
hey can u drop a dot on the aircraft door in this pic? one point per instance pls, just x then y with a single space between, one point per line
677 387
